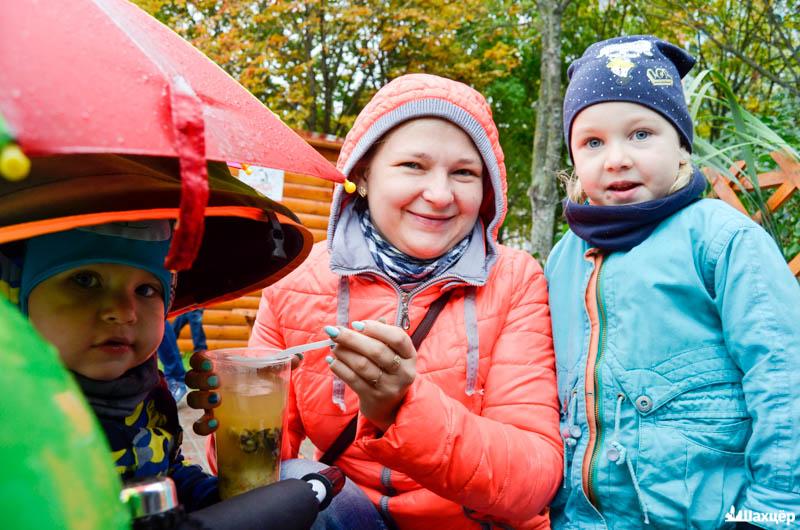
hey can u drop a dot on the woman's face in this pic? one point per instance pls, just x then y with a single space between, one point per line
424 187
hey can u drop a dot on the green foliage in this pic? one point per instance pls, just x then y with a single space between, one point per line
740 135
783 121
316 63
752 44
512 100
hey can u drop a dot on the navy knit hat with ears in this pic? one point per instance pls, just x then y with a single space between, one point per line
639 69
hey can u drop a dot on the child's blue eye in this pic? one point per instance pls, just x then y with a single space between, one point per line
86 279
641 135
411 165
593 143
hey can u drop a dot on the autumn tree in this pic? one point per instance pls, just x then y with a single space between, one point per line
316 62
754 43
547 140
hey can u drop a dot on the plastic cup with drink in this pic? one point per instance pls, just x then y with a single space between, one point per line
253 390
252 414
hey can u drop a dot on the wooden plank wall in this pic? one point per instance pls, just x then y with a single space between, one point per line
227 325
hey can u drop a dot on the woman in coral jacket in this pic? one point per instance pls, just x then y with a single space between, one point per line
462 433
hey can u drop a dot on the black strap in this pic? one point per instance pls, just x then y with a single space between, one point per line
347 435
430 317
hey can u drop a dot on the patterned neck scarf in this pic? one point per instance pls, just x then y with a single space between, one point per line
401 267
139 418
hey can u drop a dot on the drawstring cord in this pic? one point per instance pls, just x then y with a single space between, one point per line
567 435
342 318
618 453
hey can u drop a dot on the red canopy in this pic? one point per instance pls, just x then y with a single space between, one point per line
103 76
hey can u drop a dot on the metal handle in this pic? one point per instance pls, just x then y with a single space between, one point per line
149 496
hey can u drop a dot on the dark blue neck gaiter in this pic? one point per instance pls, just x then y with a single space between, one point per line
620 228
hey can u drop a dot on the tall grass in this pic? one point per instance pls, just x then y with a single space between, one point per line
742 136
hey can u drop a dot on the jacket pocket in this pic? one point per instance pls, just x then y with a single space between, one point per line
697 394
693 428
713 434
686 483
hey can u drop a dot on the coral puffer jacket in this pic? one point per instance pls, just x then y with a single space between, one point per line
476 438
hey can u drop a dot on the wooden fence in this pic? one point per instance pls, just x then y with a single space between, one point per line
228 325
785 181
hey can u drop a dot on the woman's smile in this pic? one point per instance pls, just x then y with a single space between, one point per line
430 220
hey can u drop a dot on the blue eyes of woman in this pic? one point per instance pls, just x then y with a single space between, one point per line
90 280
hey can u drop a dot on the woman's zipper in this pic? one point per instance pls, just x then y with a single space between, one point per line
403 318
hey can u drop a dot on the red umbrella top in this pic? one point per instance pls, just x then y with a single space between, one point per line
103 76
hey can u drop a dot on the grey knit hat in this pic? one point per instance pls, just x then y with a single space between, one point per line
638 69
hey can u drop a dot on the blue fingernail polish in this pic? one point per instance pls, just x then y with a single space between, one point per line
213 423
331 331
213 381
213 398
358 325
205 366
329 360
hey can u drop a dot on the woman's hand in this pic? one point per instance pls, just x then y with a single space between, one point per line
204 380
378 362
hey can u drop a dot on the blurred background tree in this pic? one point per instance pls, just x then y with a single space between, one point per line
316 63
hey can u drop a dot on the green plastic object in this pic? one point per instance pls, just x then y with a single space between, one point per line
5 133
56 470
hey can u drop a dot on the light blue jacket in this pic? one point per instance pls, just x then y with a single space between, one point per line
697 370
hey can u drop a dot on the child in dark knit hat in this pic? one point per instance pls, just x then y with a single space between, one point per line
675 318
100 294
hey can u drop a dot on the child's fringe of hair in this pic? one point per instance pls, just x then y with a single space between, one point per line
575 191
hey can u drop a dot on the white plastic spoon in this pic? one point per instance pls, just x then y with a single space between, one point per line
288 352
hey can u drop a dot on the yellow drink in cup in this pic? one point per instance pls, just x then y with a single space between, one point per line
251 416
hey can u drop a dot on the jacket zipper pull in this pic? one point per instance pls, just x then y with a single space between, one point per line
405 322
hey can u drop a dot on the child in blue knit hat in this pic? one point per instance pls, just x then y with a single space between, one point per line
675 318
100 294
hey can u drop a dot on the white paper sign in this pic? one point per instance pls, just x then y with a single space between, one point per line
266 180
